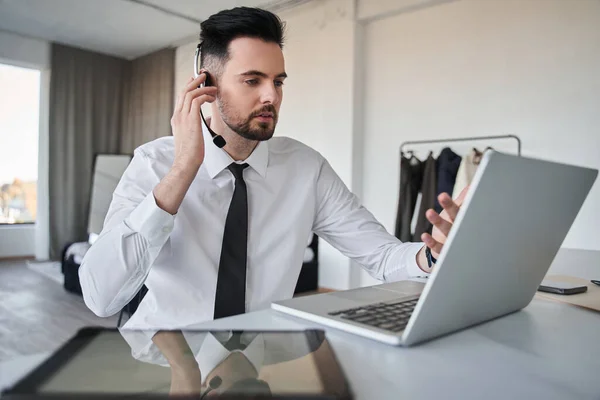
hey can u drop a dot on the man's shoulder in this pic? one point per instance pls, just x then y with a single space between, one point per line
161 149
292 147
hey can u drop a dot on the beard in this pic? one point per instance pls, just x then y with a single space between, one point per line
248 127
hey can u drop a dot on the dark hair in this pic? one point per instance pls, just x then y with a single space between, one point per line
220 29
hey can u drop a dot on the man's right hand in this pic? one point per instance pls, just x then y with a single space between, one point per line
187 123
189 145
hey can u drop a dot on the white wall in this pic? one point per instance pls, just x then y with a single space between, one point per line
29 240
371 10
318 104
23 51
477 67
416 69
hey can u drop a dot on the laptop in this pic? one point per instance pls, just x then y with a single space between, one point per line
506 234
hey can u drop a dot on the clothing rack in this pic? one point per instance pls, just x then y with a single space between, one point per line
464 139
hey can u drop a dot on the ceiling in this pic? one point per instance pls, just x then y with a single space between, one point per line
123 28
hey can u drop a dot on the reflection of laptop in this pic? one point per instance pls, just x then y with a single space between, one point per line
511 225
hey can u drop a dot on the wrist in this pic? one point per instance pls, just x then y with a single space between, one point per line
185 365
185 168
422 260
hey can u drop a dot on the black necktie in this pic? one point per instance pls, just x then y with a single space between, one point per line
231 282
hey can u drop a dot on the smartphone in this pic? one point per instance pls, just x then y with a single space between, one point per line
561 287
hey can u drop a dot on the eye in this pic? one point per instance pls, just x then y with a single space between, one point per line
278 83
252 82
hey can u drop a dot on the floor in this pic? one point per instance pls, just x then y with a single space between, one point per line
36 314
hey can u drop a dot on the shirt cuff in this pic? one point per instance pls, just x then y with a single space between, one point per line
412 268
151 221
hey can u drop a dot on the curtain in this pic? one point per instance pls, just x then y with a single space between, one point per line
86 101
99 104
148 99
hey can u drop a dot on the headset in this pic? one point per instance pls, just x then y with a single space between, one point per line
218 140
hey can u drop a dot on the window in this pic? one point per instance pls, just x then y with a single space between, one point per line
19 132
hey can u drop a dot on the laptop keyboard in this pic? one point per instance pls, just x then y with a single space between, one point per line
389 316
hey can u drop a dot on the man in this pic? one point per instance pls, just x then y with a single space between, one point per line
216 232
232 361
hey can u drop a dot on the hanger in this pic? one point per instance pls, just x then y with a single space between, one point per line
477 156
410 155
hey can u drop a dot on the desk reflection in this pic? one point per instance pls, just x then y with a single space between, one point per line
245 363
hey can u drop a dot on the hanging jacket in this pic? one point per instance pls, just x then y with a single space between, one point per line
411 178
466 172
448 163
428 190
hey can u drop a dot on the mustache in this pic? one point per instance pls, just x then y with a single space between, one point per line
268 108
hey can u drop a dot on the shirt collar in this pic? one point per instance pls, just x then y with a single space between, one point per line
216 159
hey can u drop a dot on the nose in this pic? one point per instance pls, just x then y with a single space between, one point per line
269 93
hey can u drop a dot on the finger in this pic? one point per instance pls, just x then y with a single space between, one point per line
450 206
191 84
181 96
434 245
461 197
194 83
198 101
439 222
190 96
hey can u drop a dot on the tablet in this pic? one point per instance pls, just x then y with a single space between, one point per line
100 362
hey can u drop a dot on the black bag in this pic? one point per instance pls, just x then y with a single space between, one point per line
70 270
308 281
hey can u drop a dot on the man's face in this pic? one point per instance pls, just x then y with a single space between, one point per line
250 90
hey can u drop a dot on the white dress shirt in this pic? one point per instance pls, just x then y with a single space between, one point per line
292 192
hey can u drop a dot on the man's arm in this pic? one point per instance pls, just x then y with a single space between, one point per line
140 219
186 377
135 230
343 222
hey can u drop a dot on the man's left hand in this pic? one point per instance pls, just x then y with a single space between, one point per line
442 224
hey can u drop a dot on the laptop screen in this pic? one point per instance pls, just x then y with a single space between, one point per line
199 363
